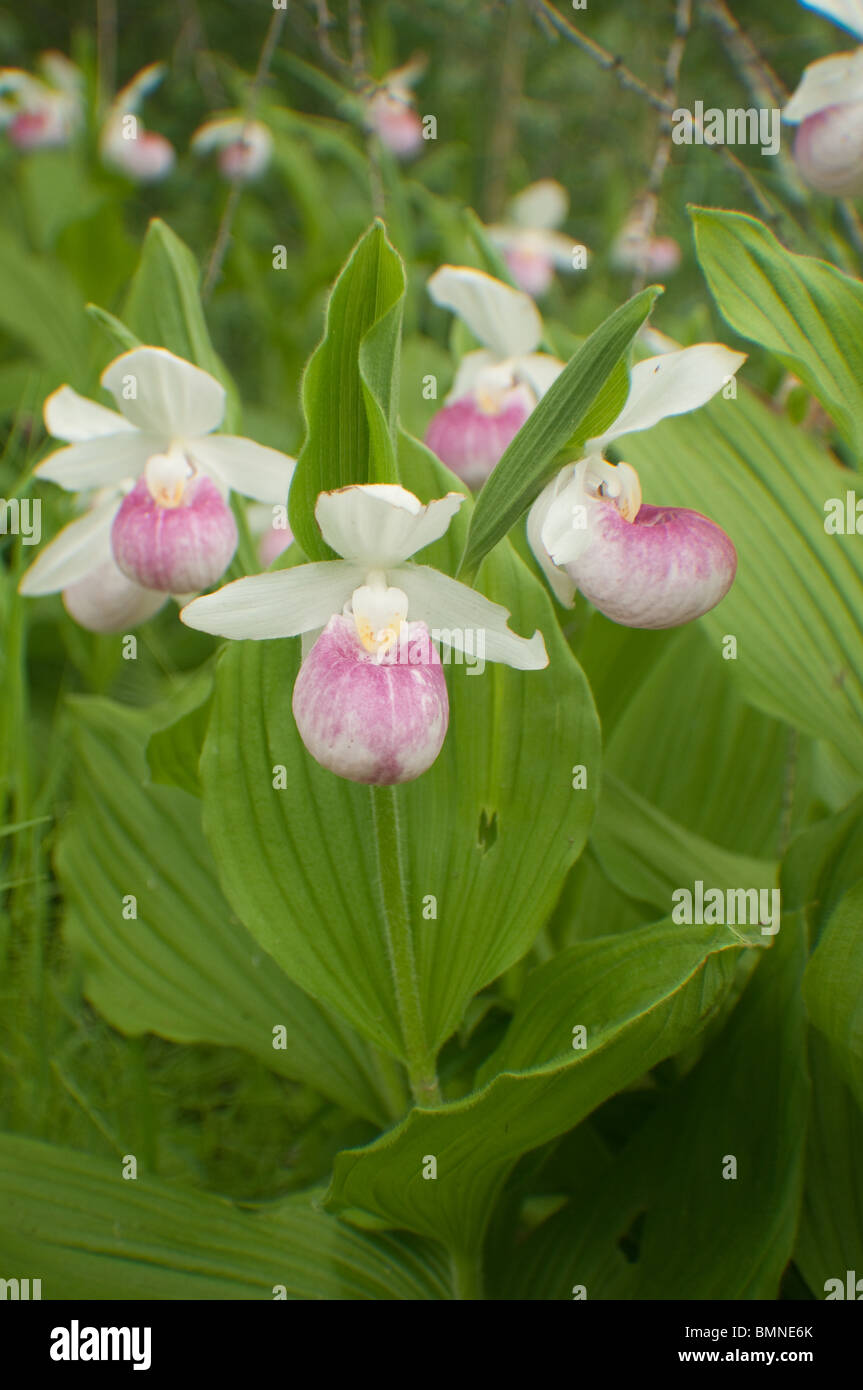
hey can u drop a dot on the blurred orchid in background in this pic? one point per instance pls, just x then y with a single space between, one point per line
391 109
531 246
370 699
244 147
497 386
125 144
42 112
827 108
636 250
161 514
642 566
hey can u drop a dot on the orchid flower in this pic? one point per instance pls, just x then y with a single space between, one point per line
370 699
125 144
269 526
637 250
531 246
497 387
391 110
165 477
42 113
827 108
245 147
642 566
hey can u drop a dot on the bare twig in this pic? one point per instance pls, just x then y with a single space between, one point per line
223 235
662 155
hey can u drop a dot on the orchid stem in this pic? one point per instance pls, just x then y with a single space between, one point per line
419 1057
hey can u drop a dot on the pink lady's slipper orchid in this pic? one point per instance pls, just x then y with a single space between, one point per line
496 387
42 113
391 111
245 147
642 566
166 475
269 526
637 250
370 699
125 143
827 109
531 246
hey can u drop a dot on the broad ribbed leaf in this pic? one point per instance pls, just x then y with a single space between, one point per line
832 987
796 606
804 310
73 1221
641 997
689 1228
184 967
350 389
529 461
490 831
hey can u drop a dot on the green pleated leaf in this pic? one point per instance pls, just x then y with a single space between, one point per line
72 1220
830 1239
490 830
641 997
666 1219
822 864
832 987
184 967
678 732
41 308
531 458
163 308
350 389
804 310
796 605
648 855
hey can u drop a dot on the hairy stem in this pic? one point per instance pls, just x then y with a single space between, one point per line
419 1057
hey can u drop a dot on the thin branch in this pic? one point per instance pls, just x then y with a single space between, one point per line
223 236
662 154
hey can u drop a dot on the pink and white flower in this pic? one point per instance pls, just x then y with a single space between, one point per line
642 566
391 112
532 247
161 475
496 387
827 109
42 112
125 143
370 699
245 147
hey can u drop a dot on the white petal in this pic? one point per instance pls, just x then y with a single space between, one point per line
379 525
503 319
848 13
144 82
244 466
561 584
559 249
539 370
80 547
73 418
542 205
110 458
171 396
471 369
827 82
671 384
455 615
282 604
213 135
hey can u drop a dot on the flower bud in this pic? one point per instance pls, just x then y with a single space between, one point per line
375 717
178 549
470 438
828 150
106 601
